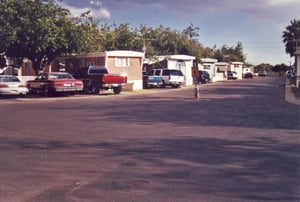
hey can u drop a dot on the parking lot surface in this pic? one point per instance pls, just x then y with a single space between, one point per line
240 141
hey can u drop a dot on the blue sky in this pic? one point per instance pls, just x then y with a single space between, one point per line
258 24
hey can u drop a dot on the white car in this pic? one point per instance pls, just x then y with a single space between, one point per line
172 77
11 85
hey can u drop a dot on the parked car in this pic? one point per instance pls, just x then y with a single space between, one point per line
248 75
262 73
172 77
232 75
11 85
289 73
203 77
163 78
50 83
152 78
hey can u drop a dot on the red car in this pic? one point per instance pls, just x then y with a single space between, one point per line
50 83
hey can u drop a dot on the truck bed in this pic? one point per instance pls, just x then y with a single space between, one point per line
114 79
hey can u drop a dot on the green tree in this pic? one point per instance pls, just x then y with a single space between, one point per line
149 38
2 61
163 41
39 31
290 36
192 33
230 54
88 34
108 36
281 68
127 39
120 37
263 67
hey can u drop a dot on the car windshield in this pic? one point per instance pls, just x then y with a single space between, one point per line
176 73
97 70
60 76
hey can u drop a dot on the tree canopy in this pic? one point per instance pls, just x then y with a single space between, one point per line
40 31
281 68
290 37
165 41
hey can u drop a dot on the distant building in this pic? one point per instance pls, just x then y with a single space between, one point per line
248 68
221 71
238 68
208 65
118 62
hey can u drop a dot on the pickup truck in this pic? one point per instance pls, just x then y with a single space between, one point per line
50 83
97 78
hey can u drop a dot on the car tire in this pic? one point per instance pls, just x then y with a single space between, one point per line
95 90
22 95
117 90
30 90
163 84
46 91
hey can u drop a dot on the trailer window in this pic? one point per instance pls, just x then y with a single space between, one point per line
122 62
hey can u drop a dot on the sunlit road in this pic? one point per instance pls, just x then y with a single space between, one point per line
239 142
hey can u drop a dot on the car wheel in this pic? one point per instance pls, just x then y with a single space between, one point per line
46 91
95 90
85 90
117 90
30 90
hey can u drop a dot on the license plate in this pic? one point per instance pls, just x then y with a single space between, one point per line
69 89
68 84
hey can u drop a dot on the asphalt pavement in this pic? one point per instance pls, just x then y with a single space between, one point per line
238 142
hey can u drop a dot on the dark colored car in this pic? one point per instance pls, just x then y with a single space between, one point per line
203 77
231 75
248 75
262 73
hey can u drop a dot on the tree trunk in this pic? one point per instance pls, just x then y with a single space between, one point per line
36 65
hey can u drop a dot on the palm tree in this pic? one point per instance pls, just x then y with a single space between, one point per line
291 36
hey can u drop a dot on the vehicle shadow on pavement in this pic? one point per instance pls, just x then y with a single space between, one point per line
229 106
232 144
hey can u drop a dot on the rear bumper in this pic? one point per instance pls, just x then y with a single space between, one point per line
113 85
176 82
154 83
68 89
14 92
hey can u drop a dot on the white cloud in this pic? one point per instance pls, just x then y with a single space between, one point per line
98 12
283 2
97 3
102 13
